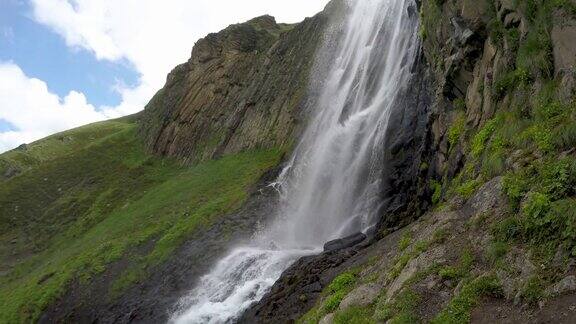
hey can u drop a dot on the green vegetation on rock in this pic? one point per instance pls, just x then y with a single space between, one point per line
91 196
400 310
333 295
459 308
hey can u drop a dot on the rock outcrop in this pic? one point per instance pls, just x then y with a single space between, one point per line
243 88
482 62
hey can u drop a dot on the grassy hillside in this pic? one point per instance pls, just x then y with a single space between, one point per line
83 198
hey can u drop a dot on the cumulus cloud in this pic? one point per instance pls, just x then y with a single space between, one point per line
155 35
152 35
35 112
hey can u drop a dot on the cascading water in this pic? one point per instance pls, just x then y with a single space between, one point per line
330 187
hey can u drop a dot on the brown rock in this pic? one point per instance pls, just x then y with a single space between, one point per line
243 88
564 43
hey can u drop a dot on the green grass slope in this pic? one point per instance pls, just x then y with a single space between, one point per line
86 196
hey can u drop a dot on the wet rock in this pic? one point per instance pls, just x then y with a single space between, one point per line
282 304
345 242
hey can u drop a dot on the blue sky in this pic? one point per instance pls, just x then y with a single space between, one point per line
42 54
66 63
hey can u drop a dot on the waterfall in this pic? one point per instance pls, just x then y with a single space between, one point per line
330 187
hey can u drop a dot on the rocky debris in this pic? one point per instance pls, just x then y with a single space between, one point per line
566 285
521 269
344 243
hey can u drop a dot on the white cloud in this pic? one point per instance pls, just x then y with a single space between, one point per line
153 35
27 104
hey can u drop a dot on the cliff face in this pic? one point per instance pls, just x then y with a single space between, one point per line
482 173
243 88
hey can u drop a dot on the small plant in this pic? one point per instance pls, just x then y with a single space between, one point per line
541 136
468 188
333 301
515 186
400 310
405 241
354 315
533 290
460 104
338 289
436 191
564 137
440 236
449 273
462 270
479 141
421 246
459 308
510 81
496 251
456 130
342 282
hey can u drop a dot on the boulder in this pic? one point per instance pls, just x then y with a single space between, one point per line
563 36
328 319
361 296
11 171
346 242
565 285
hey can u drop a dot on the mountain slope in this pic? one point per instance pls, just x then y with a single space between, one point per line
89 215
92 196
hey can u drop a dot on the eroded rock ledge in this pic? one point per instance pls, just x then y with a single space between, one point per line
243 88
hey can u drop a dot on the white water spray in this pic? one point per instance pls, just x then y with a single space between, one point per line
331 186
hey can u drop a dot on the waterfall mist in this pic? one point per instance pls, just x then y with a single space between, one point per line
330 187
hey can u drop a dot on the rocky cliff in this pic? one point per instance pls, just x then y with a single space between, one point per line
485 151
243 88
